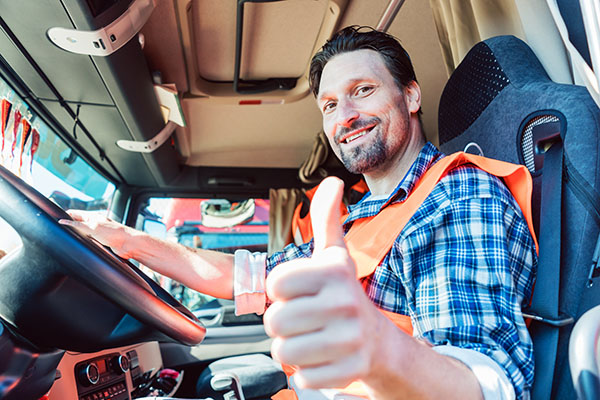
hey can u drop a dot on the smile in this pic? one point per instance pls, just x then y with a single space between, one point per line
355 136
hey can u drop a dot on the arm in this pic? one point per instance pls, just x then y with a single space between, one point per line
206 271
415 371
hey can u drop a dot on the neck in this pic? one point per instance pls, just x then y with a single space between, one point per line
385 179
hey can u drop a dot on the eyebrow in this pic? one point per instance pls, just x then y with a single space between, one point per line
323 97
349 83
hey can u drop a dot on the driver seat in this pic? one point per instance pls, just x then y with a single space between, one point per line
500 102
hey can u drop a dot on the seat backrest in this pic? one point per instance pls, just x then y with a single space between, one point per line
501 99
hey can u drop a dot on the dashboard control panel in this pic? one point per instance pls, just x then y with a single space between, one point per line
103 378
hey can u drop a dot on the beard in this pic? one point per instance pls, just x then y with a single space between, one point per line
363 159
360 160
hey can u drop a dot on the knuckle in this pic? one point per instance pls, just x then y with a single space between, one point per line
272 320
276 349
343 302
351 337
284 351
307 379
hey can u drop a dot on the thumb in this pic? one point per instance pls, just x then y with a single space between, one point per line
325 214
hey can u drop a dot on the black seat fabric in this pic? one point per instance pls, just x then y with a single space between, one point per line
260 377
501 98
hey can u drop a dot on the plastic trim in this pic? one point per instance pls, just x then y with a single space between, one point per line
107 40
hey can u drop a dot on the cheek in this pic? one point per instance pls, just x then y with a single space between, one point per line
333 144
329 129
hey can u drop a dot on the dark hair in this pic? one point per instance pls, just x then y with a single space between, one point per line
356 37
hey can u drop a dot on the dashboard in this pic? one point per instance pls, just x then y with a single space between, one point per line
113 374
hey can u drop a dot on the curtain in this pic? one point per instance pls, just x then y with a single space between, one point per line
281 208
463 23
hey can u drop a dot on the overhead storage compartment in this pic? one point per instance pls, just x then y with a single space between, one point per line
114 94
269 41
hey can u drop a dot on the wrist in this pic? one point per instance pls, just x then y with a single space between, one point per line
387 366
125 244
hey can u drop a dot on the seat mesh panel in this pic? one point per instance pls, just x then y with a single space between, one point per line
527 149
472 87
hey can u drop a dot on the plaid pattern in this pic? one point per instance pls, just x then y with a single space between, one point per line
461 268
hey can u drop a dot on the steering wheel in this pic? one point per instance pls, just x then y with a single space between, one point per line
63 290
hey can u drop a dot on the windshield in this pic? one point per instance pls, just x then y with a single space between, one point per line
199 223
33 151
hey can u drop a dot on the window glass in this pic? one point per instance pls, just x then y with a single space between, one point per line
214 224
33 151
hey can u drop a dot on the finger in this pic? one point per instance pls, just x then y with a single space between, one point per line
69 222
303 315
77 215
325 214
326 346
80 226
306 277
332 375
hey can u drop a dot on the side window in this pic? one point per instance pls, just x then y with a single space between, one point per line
30 149
213 224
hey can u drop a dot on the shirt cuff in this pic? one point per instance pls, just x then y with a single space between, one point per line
492 378
249 282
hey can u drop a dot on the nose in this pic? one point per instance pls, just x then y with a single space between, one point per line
346 113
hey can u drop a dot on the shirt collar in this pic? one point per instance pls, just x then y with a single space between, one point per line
428 155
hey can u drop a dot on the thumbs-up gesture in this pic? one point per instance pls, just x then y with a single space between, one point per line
321 320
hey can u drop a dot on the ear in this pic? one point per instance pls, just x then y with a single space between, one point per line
412 95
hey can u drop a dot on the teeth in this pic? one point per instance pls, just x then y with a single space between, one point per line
351 138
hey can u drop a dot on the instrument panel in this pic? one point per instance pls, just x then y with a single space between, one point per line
110 374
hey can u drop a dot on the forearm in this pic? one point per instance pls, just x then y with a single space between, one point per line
205 271
415 371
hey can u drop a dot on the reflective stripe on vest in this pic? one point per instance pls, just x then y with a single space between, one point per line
370 239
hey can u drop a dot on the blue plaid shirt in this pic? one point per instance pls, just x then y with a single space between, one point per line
462 267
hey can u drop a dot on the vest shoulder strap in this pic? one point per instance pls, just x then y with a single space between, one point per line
370 239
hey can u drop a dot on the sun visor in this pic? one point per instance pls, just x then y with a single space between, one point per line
236 48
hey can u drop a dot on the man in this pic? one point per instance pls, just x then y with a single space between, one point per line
461 267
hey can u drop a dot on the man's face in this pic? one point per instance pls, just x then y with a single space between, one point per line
365 116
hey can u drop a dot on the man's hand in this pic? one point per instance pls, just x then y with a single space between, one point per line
321 319
104 230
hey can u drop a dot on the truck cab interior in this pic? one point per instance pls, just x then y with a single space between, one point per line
193 121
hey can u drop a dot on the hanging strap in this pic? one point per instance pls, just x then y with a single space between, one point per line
545 296
370 239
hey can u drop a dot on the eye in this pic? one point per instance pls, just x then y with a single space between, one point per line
329 106
364 90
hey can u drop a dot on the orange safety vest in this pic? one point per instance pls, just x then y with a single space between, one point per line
370 239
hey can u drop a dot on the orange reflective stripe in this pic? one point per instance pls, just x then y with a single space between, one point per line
370 239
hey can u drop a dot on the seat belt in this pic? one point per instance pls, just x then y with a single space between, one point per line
544 301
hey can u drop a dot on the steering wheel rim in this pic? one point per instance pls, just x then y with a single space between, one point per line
34 218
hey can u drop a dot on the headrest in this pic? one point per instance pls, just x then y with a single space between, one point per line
499 94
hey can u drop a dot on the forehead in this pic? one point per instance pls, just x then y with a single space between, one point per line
353 66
